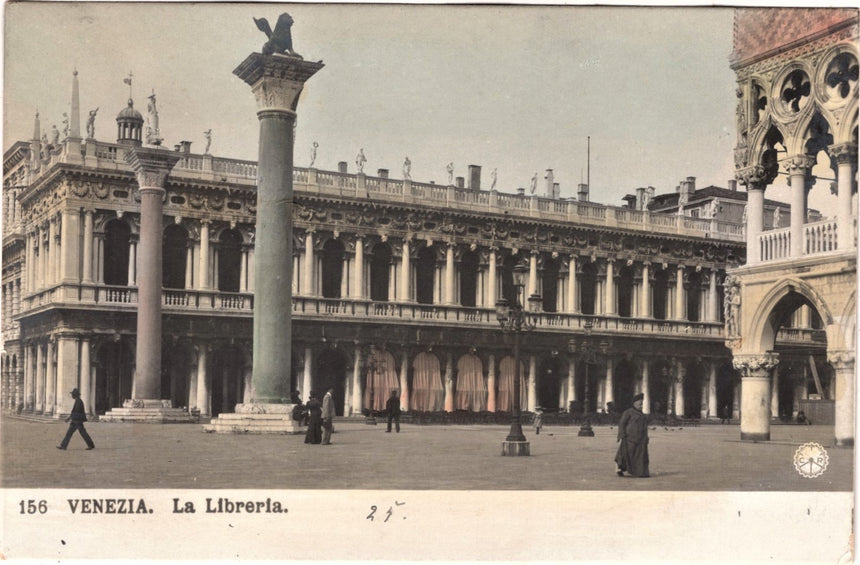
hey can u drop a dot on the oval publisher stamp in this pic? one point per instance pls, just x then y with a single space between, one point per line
811 460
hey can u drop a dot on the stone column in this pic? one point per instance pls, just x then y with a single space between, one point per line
646 401
449 274
307 384
70 256
774 394
28 265
533 279
571 382
756 180
843 368
358 274
39 404
405 273
799 169
680 301
100 257
151 167
51 253
713 409
276 81
29 379
610 308
610 393
845 155
132 260
87 274
492 278
202 379
713 306
50 378
449 382
68 363
680 379
307 286
571 286
491 383
355 408
203 265
404 382
756 371
531 389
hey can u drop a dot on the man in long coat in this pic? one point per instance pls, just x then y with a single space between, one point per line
77 418
327 416
632 455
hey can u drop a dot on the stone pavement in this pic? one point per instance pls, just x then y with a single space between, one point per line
705 458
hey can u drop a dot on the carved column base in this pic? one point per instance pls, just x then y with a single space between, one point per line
515 448
148 411
256 418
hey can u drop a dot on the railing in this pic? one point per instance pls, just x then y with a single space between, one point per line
801 335
820 237
313 181
775 244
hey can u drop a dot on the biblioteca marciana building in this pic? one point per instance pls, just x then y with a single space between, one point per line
710 300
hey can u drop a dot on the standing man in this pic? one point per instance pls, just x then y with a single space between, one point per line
77 418
632 455
392 407
327 416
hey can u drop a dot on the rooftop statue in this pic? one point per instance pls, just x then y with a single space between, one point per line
280 40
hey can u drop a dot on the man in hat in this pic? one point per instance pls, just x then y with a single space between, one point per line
328 414
632 455
392 409
77 419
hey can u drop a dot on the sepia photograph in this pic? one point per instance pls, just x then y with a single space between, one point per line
428 282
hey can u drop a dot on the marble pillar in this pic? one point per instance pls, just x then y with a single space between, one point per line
845 155
799 168
844 396
756 369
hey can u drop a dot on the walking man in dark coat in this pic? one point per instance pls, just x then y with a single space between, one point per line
77 419
392 407
632 455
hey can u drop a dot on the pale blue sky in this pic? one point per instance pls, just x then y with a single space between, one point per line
513 88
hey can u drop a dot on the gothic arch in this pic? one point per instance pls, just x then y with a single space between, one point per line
764 325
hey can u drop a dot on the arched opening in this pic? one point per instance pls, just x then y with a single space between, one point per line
332 372
228 379
229 261
624 384
427 392
174 251
471 392
589 394
693 388
332 268
728 380
625 291
380 379
506 275
425 275
693 288
505 400
114 363
549 280
380 272
587 288
468 279
175 373
660 384
661 294
117 239
549 384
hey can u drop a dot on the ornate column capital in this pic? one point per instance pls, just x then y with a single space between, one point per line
798 164
841 360
276 80
844 153
151 166
755 177
755 364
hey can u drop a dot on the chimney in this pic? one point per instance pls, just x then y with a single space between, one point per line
176 148
556 191
689 185
521 191
474 177
582 192
382 173
341 167
460 182
733 185
640 198
185 147
550 181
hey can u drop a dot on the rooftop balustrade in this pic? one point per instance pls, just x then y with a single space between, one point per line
329 183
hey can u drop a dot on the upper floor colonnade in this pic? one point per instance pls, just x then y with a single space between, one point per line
96 248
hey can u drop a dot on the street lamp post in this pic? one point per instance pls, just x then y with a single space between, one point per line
515 319
589 356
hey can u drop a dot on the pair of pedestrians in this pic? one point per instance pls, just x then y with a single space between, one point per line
320 418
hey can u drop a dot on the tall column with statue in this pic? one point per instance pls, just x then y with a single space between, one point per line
276 76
